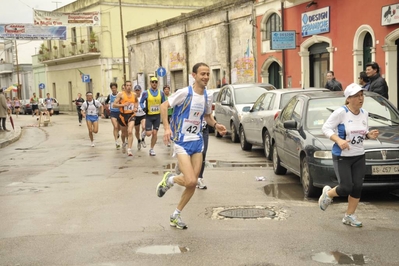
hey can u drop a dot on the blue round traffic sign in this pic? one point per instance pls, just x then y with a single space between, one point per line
42 86
161 71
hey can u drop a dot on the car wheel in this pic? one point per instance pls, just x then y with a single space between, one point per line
246 146
266 145
278 169
307 181
234 133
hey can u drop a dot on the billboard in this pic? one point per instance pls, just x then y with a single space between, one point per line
316 22
76 19
390 14
31 32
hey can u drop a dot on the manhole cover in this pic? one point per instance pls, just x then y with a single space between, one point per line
247 213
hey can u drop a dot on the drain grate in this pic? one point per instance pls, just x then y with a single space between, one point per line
247 213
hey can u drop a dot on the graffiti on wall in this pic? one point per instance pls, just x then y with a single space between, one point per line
176 60
244 67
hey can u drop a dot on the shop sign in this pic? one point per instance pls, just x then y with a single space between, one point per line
390 14
283 40
316 22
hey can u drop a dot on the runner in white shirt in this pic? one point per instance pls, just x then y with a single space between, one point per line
48 104
91 109
191 106
348 128
140 121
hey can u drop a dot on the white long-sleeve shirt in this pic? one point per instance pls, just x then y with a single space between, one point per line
347 126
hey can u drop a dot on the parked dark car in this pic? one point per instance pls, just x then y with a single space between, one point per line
300 146
256 125
107 111
233 101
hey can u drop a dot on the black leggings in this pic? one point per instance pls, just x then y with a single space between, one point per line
350 172
205 135
79 114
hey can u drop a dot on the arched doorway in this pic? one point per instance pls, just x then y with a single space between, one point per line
367 45
319 60
274 75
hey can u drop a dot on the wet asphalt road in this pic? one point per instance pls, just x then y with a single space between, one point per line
63 202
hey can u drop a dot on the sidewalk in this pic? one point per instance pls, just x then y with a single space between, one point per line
8 137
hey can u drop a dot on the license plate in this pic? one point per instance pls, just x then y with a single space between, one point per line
385 170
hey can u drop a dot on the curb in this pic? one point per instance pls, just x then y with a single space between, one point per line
11 137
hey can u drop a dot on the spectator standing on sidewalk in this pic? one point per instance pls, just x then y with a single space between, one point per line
191 106
332 84
364 81
78 102
377 83
3 111
347 127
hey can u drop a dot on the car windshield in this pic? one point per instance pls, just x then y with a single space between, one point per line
248 95
286 97
380 112
215 95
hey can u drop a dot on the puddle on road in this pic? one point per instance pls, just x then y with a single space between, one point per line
287 191
215 163
162 250
336 257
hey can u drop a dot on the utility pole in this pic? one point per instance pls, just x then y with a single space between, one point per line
17 68
123 43
56 3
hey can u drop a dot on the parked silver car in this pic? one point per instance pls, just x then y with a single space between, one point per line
215 93
256 125
235 100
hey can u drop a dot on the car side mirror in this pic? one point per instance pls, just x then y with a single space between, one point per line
246 109
290 124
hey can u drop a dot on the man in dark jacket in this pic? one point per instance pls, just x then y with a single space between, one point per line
377 83
332 84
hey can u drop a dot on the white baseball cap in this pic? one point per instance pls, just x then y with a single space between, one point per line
351 90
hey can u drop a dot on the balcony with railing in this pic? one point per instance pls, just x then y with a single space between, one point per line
69 51
6 68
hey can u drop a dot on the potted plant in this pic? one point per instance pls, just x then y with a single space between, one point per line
55 47
73 43
71 52
63 46
42 48
93 37
81 51
82 41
